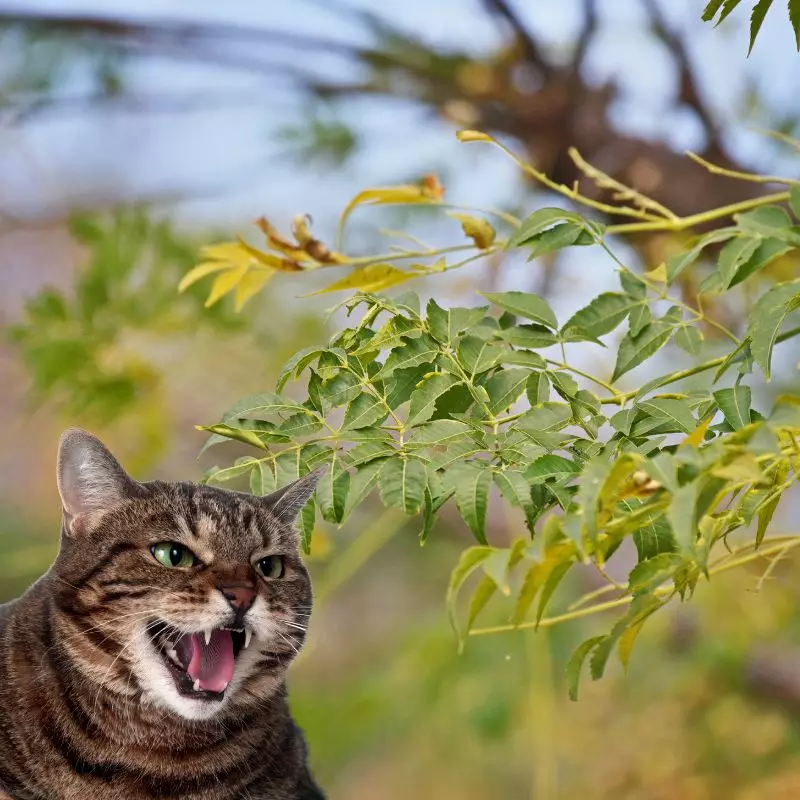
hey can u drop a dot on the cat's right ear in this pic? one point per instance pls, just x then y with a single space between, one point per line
90 479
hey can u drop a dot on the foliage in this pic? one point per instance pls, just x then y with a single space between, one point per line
77 344
432 405
721 9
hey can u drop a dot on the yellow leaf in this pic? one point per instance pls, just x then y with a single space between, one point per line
479 230
626 642
429 191
224 284
370 279
251 284
698 435
270 260
473 136
742 469
232 252
199 272
659 274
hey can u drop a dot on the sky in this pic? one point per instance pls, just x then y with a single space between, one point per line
56 161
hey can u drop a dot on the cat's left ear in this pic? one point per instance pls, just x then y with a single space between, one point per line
286 503
90 479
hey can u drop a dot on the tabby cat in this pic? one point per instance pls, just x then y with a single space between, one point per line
150 660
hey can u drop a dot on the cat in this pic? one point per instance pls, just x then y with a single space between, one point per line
150 660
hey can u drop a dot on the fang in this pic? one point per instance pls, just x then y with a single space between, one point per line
247 635
207 635
196 686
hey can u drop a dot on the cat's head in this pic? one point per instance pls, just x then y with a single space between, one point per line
183 596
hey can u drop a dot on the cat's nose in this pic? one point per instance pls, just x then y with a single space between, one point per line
240 598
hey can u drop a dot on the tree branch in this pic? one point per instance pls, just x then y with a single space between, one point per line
533 53
687 83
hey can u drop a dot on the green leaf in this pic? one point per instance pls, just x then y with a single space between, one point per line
414 353
423 399
557 238
237 434
648 575
639 319
711 9
654 538
633 350
483 593
602 315
401 385
769 221
767 251
538 222
676 412
541 424
522 358
766 318
296 364
794 19
497 567
341 389
537 388
689 339
794 194
532 336
551 466
391 335
757 20
523 304
505 388
262 404
517 492
632 284
331 493
362 481
575 664
551 584
402 483
470 560
735 405
432 505
477 355
638 611
364 411
440 432
682 516
445 324
307 521
593 477
471 481
733 254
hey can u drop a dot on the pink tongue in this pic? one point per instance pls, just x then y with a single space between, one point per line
212 663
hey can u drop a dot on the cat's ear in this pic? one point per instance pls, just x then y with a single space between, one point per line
286 503
90 479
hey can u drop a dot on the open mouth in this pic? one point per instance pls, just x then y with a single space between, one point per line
201 663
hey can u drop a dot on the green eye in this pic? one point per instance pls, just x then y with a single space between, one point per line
173 555
270 567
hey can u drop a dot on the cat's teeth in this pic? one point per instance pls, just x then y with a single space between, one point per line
247 635
207 635
197 685
172 654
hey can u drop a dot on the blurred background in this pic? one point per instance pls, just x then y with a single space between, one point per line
132 133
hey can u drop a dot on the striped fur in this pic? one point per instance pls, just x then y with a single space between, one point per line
88 709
